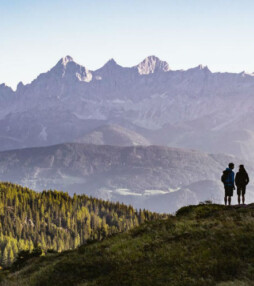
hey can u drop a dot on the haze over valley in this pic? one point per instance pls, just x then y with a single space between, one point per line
120 125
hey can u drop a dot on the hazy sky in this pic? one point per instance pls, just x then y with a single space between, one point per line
35 34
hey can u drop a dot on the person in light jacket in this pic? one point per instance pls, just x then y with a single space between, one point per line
228 179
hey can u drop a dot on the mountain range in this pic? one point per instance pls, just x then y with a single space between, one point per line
70 127
193 108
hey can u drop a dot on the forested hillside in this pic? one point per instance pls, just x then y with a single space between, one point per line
204 245
54 220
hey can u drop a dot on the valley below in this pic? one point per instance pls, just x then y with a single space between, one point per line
144 135
125 164
157 178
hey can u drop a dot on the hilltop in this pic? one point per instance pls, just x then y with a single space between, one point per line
115 135
202 245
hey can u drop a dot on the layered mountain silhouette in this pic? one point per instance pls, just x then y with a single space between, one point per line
113 135
196 108
156 178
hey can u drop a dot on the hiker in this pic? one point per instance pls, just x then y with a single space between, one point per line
228 179
241 181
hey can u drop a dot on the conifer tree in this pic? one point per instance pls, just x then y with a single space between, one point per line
54 220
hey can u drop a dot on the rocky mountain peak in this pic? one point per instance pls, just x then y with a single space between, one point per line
111 62
68 68
111 65
200 68
244 74
63 63
109 68
152 64
65 60
6 92
20 85
4 87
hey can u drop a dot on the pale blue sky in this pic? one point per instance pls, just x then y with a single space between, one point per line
35 34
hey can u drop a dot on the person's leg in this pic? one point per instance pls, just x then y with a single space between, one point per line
226 198
243 194
238 195
230 192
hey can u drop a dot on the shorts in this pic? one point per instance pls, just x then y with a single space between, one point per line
229 191
241 190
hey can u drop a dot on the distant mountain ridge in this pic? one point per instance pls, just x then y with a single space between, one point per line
157 178
113 135
196 108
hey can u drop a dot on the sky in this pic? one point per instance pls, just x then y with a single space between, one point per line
35 34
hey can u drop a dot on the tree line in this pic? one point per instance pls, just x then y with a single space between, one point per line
54 221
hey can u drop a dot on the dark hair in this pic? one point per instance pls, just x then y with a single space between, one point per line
231 165
241 168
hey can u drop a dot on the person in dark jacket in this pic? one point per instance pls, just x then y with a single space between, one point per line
241 181
228 179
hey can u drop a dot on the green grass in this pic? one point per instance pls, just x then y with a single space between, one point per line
201 245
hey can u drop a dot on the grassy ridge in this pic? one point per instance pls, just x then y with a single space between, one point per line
201 245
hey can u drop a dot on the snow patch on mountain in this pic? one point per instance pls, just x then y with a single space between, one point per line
65 60
195 108
152 64
126 192
43 134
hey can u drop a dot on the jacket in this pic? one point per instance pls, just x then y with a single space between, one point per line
241 179
230 179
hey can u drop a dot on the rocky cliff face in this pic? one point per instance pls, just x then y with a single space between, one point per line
192 109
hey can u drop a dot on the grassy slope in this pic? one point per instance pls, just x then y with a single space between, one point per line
202 245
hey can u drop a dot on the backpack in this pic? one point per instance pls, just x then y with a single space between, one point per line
224 176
